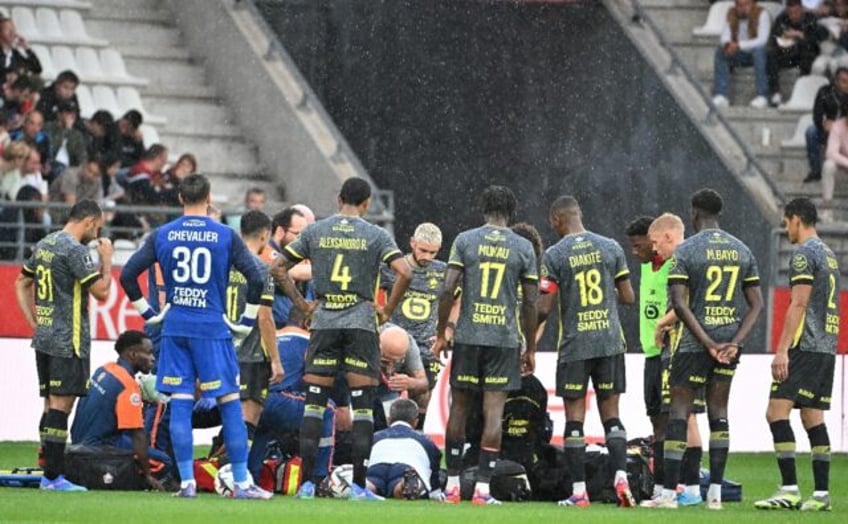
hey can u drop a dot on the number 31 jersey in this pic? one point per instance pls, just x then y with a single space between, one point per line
585 268
716 267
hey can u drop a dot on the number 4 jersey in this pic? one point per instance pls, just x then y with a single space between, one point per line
585 267
716 267
494 261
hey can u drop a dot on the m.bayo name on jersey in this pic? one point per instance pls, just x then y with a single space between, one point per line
721 315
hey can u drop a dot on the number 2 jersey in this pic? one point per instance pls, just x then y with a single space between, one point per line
346 253
494 261
585 268
716 267
195 254
62 270
814 264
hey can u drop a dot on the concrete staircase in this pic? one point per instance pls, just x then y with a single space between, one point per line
763 129
146 34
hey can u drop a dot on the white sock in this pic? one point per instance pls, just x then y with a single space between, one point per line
578 488
714 493
793 488
820 493
186 483
694 490
619 475
481 488
453 482
669 494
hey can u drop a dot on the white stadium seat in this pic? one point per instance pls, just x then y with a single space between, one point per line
104 98
89 65
128 98
715 20
74 29
48 25
86 103
804 93
150 135
774 8
798 139
48 70
114 67
63 58
25 23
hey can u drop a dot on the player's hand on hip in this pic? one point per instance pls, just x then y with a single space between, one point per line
277 373
239 330
780 366
528 363
157 319
104 248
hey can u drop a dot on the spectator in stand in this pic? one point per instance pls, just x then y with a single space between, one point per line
817 8
110 164
32 133
63 89
826 110
33 174
5 139
12 162
794 42
101 134
75 184
743 44
254 200
145 174
17 57
17 97
11 220
185 166
68 142
836 161
130 141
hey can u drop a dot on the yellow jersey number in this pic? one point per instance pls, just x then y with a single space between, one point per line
44 280
589 282
716 276
491 271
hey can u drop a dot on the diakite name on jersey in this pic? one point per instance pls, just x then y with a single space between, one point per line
183 235
44 315
484 250
585 259
723 255
593 320
354 244
719 315
189 297
491 314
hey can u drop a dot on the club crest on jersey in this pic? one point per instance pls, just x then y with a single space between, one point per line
672 263
194 222
433 283
799 262
495 236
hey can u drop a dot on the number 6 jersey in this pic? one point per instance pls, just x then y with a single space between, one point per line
585 268
716 267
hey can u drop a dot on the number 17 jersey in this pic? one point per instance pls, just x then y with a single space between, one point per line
716 267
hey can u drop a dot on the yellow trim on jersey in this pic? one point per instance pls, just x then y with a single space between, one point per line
391 254
559 326
534 278
84 281
675 337
27 271
294 253
800 331
801 277
76 323
456 263
622 273
752 279
678 277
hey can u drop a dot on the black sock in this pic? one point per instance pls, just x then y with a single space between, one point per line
486 465
659 461
422 416
55 435
784 448
453 456
820 451
675 446
362 404
719 446
691 465
311 427
575 451
616 437
251 433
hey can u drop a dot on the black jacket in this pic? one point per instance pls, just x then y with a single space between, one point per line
813 31
827 106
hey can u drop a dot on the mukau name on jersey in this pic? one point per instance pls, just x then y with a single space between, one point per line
189 297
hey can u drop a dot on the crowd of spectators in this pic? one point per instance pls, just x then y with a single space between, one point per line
47 146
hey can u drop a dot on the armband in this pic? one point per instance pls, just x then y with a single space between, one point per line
548 286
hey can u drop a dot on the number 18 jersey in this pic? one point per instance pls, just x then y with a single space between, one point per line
716 267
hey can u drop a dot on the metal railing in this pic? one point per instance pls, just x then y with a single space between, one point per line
752 164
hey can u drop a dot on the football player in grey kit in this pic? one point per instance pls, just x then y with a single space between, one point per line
491 262
719 274
587 273
346 252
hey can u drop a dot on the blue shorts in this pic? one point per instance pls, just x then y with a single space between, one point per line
184 360
386 476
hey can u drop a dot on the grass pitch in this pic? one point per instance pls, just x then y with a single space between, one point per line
757 472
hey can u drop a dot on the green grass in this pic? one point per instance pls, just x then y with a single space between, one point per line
757 472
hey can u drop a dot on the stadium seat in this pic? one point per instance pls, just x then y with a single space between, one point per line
715 20
63 59
798 139
25 23
48 70
74 29
150 135
774 8
89 65
104 98
86 103
114 67
804 93
49 28
56 4
128 98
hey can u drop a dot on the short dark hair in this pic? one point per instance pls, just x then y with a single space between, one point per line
103 118
254 222
154 151
639 226
24 83
790 3
66 76
707 200
529 231
804 209
355 191
194 189
83 209
564 203
129 339
283 219
405 410
134 118
498 201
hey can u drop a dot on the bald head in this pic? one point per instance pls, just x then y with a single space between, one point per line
394 343
666 233
306 212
